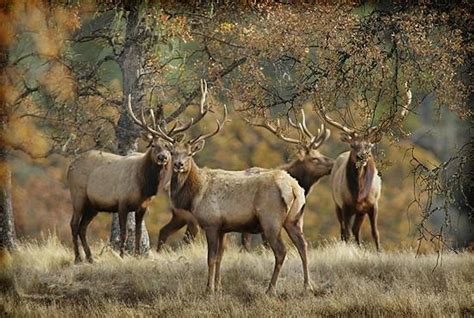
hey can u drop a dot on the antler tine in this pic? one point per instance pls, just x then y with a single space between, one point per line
219 127
386 123
153 120
329 120
142 123
203 109
320 138
164 135
276 130
303 125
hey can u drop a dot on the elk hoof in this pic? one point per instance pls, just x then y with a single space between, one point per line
271 291
210 290
309 287
90 259
77 260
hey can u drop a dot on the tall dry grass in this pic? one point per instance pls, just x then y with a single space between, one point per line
39 279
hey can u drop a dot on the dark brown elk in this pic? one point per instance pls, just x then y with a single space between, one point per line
355 182
309 165
101 181
237 201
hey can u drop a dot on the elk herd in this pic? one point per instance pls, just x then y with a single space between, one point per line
255 200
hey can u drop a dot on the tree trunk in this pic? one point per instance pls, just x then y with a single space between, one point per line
7 228
131 63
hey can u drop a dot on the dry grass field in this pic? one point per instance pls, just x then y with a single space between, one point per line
40 280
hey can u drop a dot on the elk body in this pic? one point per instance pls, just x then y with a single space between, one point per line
355 182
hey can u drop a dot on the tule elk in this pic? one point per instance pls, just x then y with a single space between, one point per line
236 201
355 182
309 165
101 181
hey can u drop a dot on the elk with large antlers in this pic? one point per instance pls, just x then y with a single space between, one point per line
309 165
101 181
236 201
355 182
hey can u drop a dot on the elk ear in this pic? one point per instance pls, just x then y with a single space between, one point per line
195 148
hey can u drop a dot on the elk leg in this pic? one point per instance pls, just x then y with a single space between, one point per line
139 214
89 214
346 221
122 215
75 222
295 232
212 250
359 218
276 243
373 225
341 222
173 225
191 231
246 240
220 252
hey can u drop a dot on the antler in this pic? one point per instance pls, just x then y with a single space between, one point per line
219 127
329 120
142 123
386 123
277 131
315 141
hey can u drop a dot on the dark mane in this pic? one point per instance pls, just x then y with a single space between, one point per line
184 188
367 179
352 176
305 179
359 182
150 174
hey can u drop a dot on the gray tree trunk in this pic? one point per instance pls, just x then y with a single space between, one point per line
7 228
131 62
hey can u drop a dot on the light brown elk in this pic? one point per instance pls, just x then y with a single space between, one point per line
237 201
307 168
101 181
309 165
355 182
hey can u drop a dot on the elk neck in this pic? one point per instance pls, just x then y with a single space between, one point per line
305 178
150 173
185 187
359 179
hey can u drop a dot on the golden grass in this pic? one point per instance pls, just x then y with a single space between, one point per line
39 279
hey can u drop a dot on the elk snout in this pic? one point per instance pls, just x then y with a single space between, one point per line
178 166
162 158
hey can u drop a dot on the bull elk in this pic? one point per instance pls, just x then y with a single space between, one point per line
309 165
236 201
355 182
101 181
307 168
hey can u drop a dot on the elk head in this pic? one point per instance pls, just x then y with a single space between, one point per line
158 150
362 144
308 156
183 151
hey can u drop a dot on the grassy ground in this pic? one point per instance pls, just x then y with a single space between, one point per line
349 282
